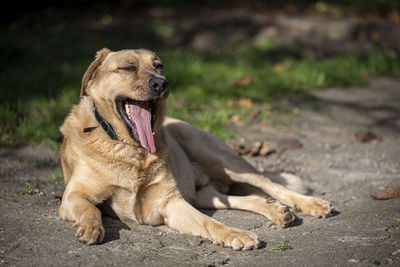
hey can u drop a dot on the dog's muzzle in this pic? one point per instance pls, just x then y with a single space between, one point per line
159 85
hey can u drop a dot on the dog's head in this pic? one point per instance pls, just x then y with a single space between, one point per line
132 81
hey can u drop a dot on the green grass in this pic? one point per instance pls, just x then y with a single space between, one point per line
202 85
29 190
38 89
284 245
395 223
32 186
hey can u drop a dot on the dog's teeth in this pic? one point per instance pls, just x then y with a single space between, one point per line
127 111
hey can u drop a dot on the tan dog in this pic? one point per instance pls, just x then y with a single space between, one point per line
118 149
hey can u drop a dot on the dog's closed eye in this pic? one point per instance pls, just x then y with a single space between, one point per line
128 68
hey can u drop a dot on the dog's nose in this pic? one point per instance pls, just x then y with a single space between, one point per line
158 84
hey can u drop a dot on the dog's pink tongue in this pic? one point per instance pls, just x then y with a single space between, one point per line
141 116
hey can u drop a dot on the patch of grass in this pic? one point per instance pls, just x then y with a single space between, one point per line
204 84
29 190
38 89
284 245
395 223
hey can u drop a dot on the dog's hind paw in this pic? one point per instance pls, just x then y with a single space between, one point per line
285 217
317 207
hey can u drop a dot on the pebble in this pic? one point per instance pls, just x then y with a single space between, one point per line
375 262
353 261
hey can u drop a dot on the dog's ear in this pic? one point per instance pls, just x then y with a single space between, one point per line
92 70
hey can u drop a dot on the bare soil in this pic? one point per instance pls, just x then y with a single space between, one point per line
333 163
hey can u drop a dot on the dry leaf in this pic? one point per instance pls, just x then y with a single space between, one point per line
245 103
235 120
264 148
252 152
365 137
258 149
230 103
240 150
279 67
375 36
241 103
394 17
244 81
7 198
394 193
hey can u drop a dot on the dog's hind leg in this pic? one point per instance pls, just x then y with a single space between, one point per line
209 197
311 205
223 165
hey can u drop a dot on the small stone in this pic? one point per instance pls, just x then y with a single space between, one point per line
159 234
375 262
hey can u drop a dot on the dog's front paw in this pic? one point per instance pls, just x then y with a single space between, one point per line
238 239
90 233
317 207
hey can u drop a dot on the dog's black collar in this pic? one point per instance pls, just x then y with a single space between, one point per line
104 124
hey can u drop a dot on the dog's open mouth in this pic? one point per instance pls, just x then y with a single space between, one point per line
139 117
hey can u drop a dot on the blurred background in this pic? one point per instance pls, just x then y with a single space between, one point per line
226 61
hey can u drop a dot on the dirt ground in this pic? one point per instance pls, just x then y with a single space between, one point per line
332 162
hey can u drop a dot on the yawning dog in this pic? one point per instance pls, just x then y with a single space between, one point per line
120 150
